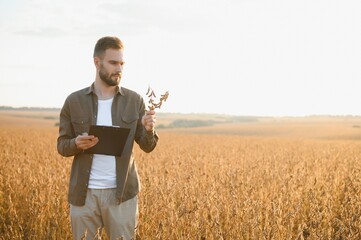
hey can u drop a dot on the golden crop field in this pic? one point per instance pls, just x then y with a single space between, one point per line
285 178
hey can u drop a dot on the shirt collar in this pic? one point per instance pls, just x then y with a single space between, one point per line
118 89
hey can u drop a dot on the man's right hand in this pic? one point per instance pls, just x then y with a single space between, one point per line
85 141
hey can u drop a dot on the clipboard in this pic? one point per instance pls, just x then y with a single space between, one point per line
111 140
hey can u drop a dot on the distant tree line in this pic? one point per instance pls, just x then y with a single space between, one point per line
183 123
29 108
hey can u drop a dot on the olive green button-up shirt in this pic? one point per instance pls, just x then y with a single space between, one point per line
78 113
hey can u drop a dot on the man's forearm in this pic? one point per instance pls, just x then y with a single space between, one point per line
67 147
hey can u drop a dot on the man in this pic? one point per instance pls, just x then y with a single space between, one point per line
103 189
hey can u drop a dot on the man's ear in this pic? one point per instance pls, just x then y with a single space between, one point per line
97 61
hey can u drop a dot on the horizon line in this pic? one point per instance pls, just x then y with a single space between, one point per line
27 108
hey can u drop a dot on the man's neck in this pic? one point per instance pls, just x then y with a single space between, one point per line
103 91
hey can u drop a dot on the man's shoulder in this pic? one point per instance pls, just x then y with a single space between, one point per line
79 93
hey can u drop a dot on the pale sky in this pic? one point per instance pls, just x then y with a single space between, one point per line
243 57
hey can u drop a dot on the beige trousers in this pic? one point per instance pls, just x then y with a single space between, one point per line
101 211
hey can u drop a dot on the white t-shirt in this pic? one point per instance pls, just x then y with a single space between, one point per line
103 173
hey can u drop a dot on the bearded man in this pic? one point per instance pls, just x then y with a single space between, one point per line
103 189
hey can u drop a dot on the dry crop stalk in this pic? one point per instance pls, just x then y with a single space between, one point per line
151 95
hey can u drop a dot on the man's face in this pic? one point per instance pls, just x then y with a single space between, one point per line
110 67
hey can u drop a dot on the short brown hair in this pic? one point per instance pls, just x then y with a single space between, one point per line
105 43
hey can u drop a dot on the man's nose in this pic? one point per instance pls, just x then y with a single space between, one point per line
119 68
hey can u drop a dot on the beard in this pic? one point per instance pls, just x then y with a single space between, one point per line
108 78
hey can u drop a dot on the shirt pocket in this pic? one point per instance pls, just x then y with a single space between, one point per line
80 125
129 121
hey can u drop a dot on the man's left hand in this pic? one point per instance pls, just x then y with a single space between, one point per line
148 120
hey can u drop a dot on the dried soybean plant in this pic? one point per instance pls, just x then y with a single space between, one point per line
151 95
